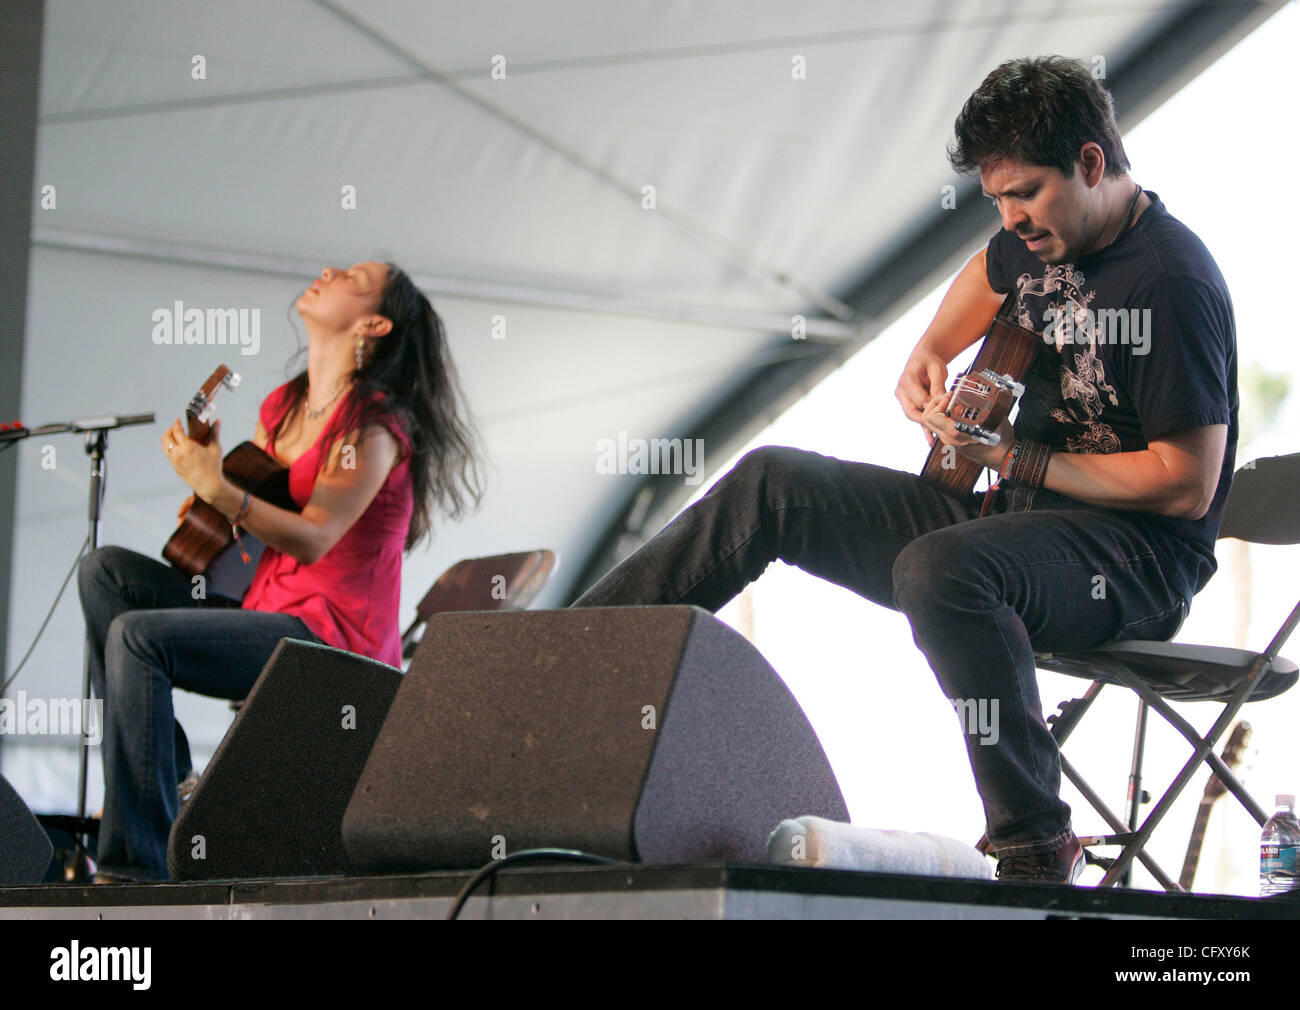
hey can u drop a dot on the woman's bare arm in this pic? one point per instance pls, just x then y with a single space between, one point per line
343 491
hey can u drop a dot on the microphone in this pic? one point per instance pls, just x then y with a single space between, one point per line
107 421
14 430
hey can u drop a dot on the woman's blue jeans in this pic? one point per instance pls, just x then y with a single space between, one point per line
147 634
981 594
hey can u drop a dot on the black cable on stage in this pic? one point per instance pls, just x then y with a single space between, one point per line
526 856
53 606
103 494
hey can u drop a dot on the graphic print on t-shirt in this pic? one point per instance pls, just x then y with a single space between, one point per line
1159 286
1081 374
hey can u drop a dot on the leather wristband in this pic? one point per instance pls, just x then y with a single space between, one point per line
1029 467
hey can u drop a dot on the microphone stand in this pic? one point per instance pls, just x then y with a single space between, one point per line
96 430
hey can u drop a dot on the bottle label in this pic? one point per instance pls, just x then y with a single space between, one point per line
1277 859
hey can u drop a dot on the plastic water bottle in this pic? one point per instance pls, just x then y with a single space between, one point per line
1277 850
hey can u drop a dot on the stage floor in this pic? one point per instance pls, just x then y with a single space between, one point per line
707 891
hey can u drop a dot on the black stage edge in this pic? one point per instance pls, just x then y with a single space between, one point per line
706 891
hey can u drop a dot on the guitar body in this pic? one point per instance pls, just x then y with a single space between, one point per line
203 543
982 398
205 533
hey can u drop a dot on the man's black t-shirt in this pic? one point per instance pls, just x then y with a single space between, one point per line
1139 342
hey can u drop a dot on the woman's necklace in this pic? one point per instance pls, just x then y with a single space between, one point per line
314 412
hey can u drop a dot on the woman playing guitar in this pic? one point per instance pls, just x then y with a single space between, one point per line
376 438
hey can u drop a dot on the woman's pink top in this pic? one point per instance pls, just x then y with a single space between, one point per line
350 597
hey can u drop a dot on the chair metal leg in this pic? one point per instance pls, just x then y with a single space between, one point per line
1194 738
1135 777
1202 751
1238 790
1072 712
1116 825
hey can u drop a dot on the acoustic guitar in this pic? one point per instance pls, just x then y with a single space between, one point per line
982 397
202 544
1232 753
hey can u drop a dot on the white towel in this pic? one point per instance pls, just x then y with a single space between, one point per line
815 841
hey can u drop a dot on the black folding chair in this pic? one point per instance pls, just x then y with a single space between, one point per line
500 582
1261 508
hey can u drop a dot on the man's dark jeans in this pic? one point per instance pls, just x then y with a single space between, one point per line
982 594
146 635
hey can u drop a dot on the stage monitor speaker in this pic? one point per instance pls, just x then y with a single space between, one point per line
655 734
25 848
271 801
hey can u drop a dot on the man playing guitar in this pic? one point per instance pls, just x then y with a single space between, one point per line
1114 476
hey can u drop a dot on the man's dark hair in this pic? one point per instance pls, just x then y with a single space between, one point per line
1040 111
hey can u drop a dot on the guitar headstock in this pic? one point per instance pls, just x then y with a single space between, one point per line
198 412
1232 754
980 400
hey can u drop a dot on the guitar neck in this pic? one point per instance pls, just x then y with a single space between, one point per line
1194 844
198 424
1008 351
1215 788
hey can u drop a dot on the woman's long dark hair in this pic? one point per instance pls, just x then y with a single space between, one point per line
410 376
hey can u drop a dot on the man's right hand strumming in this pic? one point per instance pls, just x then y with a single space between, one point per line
924 377
962 318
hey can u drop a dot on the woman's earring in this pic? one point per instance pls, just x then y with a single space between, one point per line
361 351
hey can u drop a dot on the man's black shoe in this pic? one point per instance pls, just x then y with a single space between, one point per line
1061 865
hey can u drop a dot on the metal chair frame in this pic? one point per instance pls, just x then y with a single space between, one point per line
1262 508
